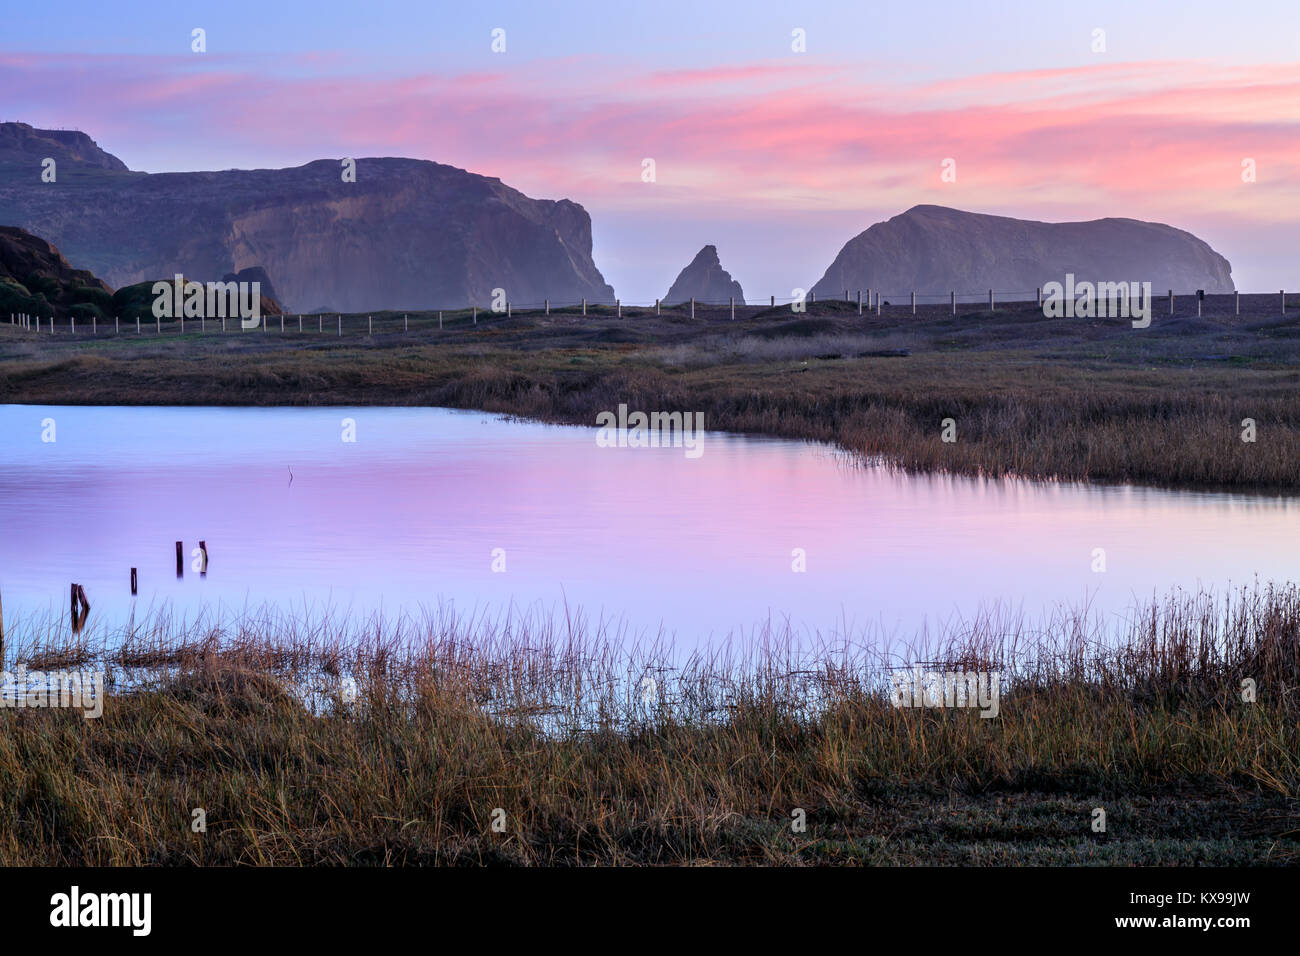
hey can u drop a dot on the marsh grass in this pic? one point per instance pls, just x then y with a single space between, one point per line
547 718
1033 397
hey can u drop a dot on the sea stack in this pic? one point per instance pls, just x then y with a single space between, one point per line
704 280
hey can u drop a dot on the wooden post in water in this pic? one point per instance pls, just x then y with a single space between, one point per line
203 555
134 582
180 560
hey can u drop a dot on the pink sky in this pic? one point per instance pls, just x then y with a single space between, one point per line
813 150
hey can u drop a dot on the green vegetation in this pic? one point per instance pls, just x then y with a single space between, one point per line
545 720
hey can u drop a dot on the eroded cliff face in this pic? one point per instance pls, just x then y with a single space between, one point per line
937 249
407 234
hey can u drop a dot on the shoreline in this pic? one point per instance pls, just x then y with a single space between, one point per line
1027 397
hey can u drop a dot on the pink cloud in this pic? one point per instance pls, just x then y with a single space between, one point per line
1145 138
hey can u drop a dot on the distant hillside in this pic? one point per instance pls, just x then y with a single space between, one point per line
407 234
37 280
936 249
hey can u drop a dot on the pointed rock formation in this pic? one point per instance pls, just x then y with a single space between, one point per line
936 249
704 280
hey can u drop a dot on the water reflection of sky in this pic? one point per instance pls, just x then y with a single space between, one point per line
410 513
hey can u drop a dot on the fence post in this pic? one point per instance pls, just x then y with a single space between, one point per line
859 302
440 318
548 306
1283 295
157 325
990 300
618 304
475 316
370 325
733 308
954 302
1171 301
692 307
877 303
223 323
340 318
137 325
584 305
1039 296
914 303
656 306
1237 298
405 326
115 328
508 312
72 328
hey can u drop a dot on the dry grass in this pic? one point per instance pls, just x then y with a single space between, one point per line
1059 399
549 721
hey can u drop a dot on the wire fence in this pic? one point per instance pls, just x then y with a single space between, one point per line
866 302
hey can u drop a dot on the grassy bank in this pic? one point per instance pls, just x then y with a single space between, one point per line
584 753
1068 398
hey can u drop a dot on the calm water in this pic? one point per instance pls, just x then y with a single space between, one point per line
410 513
